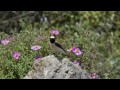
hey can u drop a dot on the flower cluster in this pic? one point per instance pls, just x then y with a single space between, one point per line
92 75
5 42
75 50
16 55
35 47
54 32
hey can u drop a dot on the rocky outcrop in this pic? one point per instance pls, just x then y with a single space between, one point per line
50 67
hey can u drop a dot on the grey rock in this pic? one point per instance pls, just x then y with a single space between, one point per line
50 67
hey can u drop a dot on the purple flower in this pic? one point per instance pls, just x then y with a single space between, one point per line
89 75
71 49
82 66
77 51
54 32
76 62
16 55
37 57
35 47
5 42
92 75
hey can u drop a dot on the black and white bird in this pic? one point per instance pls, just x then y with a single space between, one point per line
56 47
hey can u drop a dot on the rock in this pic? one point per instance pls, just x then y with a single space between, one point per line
50 67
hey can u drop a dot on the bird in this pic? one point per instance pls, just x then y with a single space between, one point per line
56 47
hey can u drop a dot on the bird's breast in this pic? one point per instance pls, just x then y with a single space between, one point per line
53 48
56 49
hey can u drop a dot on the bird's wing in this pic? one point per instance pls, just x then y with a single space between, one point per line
57 44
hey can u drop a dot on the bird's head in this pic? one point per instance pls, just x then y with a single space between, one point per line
52 39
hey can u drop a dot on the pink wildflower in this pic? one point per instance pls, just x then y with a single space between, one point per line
54 32
5 42
16 55
35 47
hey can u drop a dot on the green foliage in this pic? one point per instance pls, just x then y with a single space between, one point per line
96 33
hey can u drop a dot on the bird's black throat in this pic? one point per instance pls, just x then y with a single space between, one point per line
52 40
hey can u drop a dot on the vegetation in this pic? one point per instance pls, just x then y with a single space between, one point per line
95 33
